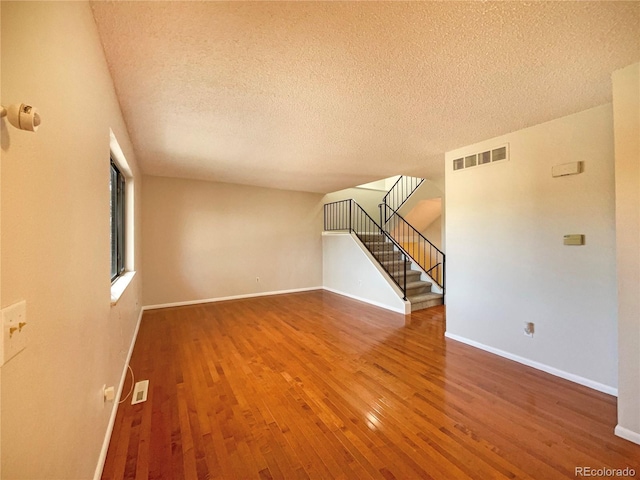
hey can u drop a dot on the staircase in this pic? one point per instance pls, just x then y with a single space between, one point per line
395 261
417 292
417 247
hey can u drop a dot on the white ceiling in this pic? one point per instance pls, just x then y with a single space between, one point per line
319 96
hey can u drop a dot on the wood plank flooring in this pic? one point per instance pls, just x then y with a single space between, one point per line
315 385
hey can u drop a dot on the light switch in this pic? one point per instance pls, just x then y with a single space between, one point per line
574 239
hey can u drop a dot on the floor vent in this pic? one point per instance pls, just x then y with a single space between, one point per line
482 158
140 392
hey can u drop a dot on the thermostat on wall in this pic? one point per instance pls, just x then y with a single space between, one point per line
574 239
566 169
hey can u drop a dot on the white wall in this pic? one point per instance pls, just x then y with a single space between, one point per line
56 242
434 232
506 262
207 240
368 199
389 182
626 108
425 211
348 269
377 185
426 191
384 184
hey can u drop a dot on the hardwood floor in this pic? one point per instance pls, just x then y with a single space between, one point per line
315 385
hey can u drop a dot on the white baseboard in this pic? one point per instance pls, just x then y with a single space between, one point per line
405 311
232 297
627 434
537 365
114 410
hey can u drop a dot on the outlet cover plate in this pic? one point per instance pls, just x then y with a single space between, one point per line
529 329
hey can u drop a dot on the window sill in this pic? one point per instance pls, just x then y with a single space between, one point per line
120 285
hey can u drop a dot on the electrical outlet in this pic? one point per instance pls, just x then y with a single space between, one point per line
529 329
108 393
15 330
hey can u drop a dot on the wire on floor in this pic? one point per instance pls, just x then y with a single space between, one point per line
133 381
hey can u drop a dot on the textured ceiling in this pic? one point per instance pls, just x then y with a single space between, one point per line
319 96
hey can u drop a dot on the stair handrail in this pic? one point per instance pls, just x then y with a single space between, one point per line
400 192
349 215
393 219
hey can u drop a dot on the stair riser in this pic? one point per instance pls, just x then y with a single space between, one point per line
429 303
379 246
395 267
372 238
413 274
388 257
418 290
387 260
399 278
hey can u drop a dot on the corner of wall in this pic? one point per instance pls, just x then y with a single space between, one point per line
626 105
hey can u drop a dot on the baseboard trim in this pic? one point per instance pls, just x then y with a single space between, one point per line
537 365
404 311
114 410
232 297
627 434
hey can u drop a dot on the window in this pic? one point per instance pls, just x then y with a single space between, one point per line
117 222
123 214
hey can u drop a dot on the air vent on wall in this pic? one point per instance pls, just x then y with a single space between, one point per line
470 161
482 158
499 154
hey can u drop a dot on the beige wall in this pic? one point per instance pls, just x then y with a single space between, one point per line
506 262
424 214
626 108
56 242
205 240
433 232
2 135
